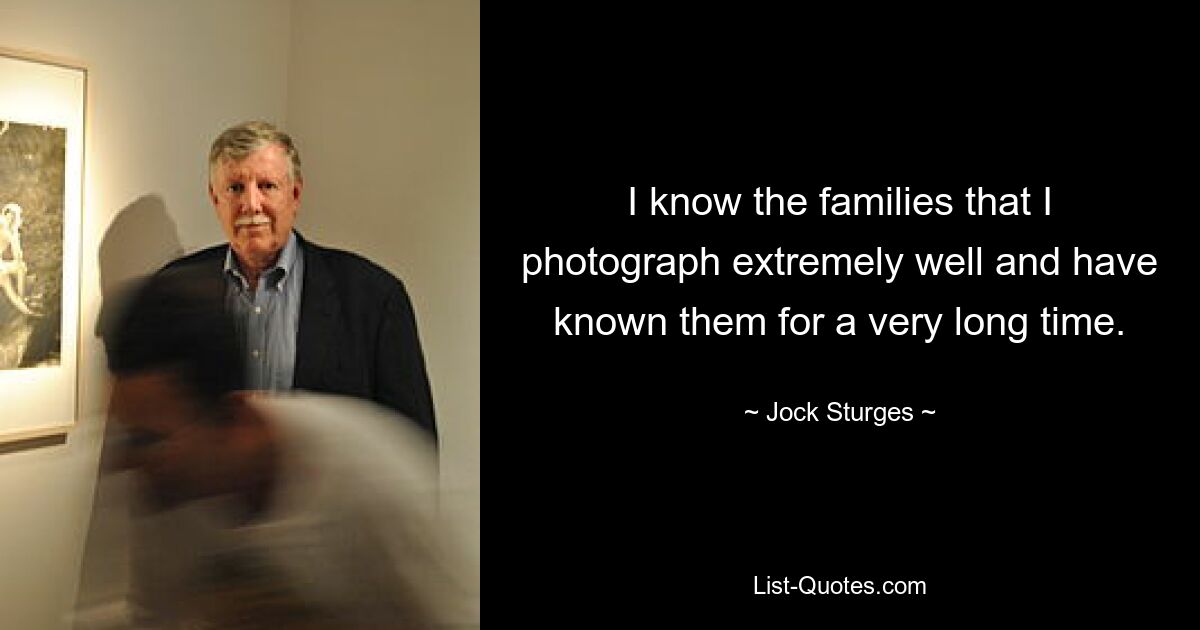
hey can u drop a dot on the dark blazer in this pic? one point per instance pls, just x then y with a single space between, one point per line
358 333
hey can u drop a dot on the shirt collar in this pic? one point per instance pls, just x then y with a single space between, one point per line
273 275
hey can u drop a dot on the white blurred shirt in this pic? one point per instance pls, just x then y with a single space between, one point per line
352 538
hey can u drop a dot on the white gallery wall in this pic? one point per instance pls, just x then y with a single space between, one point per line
402 189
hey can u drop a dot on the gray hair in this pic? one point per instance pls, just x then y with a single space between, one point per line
239 141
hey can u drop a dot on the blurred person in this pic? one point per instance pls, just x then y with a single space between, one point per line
310 317
260 510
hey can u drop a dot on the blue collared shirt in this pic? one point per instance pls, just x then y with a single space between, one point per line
268 318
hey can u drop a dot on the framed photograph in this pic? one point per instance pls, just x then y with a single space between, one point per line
43 103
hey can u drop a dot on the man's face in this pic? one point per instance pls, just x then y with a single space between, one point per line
179 457
256 201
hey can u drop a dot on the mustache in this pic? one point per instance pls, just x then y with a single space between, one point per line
253 219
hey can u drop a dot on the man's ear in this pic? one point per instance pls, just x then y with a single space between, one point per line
297 188
212 194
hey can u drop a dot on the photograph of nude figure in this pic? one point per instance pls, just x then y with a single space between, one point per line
32 176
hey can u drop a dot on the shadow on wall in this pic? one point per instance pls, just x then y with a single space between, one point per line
141 239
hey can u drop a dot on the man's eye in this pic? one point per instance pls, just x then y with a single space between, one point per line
235 188
268 186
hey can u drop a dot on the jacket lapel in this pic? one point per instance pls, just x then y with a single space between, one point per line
315 351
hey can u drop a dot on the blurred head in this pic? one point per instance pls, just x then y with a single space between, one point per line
254 185
176 362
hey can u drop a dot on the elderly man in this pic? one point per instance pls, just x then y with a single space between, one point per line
309 317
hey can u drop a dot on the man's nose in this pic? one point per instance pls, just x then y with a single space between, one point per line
254 199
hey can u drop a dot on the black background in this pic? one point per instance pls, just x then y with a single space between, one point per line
625 483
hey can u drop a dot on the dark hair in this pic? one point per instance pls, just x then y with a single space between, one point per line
177 320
